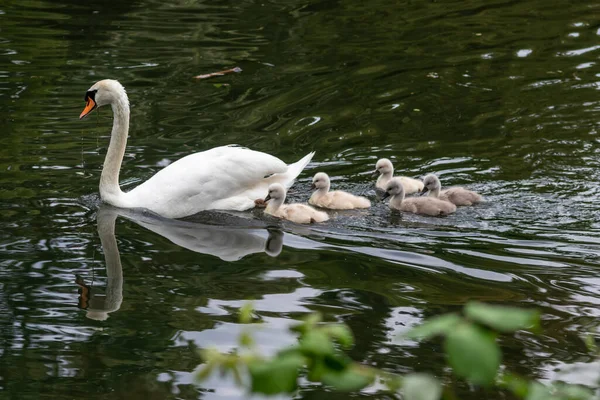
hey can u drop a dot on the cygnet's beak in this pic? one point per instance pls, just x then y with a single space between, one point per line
268 198
425 190
89 107
375 174
385 195
313 186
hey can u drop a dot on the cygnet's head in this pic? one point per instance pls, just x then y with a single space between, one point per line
431 183
393 188
276 192
107 91
383 167
321 181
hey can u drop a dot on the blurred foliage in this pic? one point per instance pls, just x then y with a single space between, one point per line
470 344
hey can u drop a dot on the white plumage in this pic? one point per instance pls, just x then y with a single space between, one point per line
225 178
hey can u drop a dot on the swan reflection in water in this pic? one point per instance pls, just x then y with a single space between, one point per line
229 243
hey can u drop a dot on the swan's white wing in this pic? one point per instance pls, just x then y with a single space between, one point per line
221 178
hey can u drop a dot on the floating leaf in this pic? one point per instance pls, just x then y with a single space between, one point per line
421 387
279 375
439 325
473 353
502 318
348 380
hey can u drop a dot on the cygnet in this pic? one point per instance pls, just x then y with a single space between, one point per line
299 213
455 195
417 205
335 200
385 169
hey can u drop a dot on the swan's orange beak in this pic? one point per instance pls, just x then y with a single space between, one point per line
89 107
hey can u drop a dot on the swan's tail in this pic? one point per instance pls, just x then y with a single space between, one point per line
294 170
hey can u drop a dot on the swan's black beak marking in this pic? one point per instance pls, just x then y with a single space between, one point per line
375 174
90 103
268 198
313 186
425 190
385 196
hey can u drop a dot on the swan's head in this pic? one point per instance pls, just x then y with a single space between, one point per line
276 193
431 183
107 91
321 181
383 167
393 188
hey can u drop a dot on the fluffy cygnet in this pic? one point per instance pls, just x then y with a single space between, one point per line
299 213
455 195
385 169
416 205
336 200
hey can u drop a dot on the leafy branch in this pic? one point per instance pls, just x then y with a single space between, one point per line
469 341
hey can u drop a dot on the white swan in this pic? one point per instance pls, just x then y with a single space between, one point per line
417 205
456 195
336 200
299 213
224 178
385 169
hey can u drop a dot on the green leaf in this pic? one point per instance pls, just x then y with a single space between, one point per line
473 353
439 325
317 343
336 362
205 371
347 380
246 313
342 334
279 375
246 339
517 385
421 387
502 318
573 392
537 391
308 324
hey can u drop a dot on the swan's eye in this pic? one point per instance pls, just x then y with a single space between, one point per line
90 94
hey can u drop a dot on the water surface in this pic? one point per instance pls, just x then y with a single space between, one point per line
498 96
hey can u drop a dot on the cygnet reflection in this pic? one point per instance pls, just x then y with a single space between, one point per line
229 243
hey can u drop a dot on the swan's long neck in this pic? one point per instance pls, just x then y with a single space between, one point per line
397 199
435 192
323 190
274 204
110 190
386 176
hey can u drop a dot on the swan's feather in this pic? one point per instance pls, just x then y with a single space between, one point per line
227 177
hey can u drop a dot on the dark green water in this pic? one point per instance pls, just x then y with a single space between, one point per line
500 96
